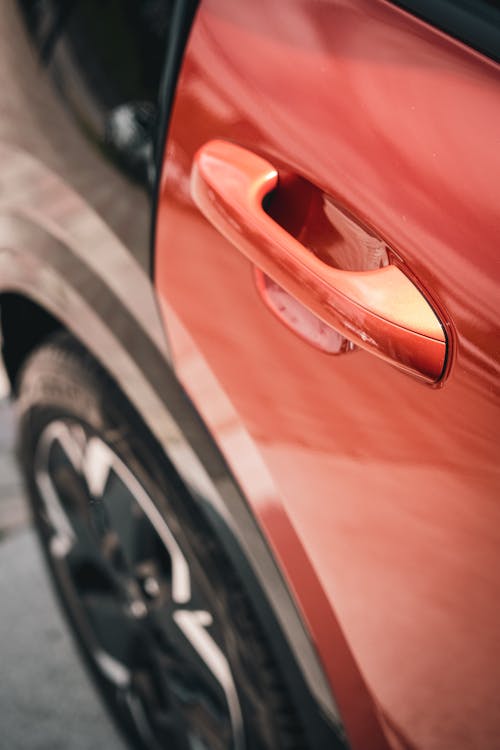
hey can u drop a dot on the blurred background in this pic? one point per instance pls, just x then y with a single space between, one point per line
46 699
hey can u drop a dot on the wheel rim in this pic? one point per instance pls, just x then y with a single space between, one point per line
131 595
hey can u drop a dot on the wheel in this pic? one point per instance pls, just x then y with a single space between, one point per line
160 617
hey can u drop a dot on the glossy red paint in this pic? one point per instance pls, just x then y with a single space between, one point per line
379 495
379 310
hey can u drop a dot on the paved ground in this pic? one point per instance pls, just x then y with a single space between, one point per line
46 701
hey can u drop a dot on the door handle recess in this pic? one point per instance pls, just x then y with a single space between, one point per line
381 311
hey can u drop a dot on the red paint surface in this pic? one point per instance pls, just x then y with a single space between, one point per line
379 495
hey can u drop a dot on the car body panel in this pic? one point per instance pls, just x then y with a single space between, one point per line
378 494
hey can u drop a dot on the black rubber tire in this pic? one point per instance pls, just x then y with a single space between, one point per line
61 380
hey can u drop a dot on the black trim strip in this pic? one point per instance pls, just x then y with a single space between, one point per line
181 22
475 22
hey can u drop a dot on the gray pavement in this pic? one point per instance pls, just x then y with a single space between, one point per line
46 699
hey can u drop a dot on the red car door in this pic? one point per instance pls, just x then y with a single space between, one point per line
373 468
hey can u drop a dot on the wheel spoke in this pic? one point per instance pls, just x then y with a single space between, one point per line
116 632
134 533
195 695
66 504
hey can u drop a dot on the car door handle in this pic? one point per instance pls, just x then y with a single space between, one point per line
381 311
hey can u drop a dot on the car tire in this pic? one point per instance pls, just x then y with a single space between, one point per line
159 615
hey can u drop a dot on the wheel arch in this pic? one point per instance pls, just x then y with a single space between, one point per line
45 286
